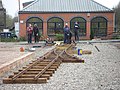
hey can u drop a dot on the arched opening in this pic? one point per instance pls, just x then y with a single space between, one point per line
98 27
55 26
36 20
82 25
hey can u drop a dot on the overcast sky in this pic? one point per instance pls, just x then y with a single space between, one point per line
12 5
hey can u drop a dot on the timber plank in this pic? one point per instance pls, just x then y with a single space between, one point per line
24 80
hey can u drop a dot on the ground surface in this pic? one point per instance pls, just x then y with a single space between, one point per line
9 51
101 71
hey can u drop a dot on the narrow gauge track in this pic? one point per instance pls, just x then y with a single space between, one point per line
40 70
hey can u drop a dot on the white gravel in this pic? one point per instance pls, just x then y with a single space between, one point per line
101 71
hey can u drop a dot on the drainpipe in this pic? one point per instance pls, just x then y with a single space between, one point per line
19 17
114 21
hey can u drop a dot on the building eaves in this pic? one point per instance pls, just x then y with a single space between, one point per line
38 12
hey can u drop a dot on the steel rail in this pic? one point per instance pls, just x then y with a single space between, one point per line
71 56
49 65
25 70
41 59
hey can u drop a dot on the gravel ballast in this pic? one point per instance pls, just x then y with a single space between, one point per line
101 71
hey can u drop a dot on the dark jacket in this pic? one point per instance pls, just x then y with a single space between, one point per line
66 30
35 30
76 27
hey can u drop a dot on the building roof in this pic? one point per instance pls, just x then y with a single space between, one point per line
65 6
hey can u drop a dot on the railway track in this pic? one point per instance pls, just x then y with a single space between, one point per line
40 70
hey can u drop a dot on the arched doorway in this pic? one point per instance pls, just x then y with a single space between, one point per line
82 25
98 27
35 20
55 26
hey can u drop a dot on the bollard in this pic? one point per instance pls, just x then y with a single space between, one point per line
79 51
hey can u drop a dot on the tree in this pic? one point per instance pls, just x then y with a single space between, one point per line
117 15
2 19
15 19
9 21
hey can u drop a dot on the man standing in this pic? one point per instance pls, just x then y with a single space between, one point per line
36 33
76 27
29 33
67 34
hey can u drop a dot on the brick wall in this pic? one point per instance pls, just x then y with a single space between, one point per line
66 18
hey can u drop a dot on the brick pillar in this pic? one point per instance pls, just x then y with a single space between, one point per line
45 29
23 30
69 24
88 29
110 29
22 27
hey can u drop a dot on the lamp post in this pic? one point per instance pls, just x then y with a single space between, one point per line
19 4
19 17
4 18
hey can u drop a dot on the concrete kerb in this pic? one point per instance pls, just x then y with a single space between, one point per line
98 41
15 63
22 60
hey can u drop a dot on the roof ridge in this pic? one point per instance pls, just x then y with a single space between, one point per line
102 5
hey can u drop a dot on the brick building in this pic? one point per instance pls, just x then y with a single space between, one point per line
51 16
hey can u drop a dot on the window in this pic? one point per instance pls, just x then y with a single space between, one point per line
99 26
82 25
55 26
35 20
